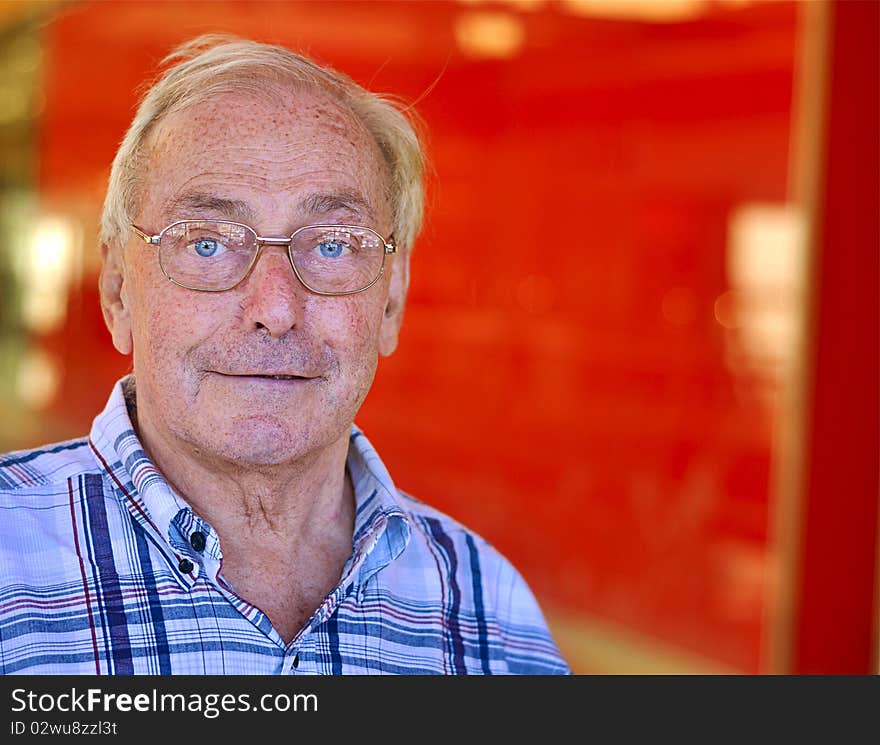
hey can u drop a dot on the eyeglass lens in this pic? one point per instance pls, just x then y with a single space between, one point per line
216 255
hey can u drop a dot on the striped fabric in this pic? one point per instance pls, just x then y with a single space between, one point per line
98 575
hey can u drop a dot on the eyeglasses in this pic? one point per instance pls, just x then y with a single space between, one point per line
216 255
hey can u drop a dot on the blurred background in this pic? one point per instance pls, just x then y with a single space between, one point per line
640 350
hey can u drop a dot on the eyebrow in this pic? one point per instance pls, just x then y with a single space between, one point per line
197 204
319 203
201 203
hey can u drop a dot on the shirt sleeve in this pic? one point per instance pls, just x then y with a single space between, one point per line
528 644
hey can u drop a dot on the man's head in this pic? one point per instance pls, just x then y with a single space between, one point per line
267 371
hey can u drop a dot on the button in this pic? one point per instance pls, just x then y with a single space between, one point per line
185 566
296 660
197 541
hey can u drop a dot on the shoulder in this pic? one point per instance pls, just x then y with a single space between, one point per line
437 527
482 589
37 497
460 550
460 553
45 466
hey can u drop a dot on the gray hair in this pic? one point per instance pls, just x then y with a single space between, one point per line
213 64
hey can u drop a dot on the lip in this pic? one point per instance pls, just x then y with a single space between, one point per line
269 377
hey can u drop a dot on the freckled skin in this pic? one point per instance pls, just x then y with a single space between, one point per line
266 157
265 465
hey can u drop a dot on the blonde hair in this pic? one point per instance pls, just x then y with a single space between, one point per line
213 64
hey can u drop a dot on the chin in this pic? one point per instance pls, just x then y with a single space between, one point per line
265 441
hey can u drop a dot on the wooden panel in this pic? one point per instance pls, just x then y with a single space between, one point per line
834 620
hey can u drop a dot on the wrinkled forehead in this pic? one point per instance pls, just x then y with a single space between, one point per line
278 135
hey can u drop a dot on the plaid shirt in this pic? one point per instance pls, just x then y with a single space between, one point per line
100 574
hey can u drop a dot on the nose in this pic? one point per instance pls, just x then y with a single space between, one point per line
274 297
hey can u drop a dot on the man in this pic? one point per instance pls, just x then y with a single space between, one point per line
225 515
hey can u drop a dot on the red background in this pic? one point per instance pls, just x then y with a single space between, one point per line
561 385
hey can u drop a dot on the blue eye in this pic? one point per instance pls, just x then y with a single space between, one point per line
208 248
332 249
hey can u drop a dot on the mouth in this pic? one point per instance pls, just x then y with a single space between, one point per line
266 376
275 377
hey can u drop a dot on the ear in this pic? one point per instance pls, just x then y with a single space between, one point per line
393 315
117 315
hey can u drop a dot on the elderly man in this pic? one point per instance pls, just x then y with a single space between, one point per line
225 515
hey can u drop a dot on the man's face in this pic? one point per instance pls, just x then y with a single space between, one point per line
198 357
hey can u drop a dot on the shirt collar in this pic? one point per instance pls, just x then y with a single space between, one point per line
381 528
146 493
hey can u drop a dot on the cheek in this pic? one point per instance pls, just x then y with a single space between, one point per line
362 327
165 327
354 333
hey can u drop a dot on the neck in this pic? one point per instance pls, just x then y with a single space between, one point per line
307 501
